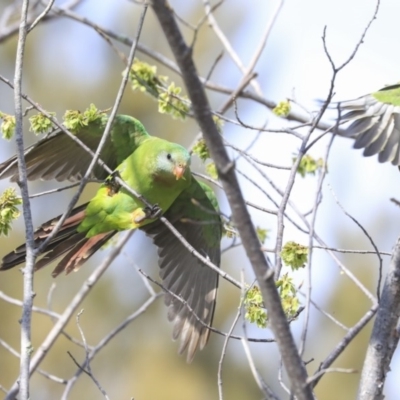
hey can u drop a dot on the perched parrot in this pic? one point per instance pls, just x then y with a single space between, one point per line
158 170
374 123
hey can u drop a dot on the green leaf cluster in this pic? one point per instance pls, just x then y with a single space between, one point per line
219 123
171 102
253 302
308 165
8 210
212 170
201 150
40 123
144 77
282 109
294 255
288 294
75 120
7 126
262 234
254 306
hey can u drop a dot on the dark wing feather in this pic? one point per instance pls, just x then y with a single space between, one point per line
57 157
185 275
61 158
375 126
73 246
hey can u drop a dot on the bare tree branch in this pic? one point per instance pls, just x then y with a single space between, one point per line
273 197
385 334
87 286
26 345
263 271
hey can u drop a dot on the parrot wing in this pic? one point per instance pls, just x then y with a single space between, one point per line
61 158
195 215
374 123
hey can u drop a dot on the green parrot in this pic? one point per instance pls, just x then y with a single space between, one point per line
374 123
158 170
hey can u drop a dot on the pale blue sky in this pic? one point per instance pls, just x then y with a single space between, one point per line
294 62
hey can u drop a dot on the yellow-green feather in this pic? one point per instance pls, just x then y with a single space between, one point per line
107 212
389 95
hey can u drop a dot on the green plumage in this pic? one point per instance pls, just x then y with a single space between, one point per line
156 169
155 181
59 157
389 95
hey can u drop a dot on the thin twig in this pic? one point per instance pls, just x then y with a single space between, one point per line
26 345
317 202
19 303
211 328
40 371
223 353
330 370
42 15
86 287
87 369
343 344
266 390
101 345
261 266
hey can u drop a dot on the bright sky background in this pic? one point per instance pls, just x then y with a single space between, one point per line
294 64
362 185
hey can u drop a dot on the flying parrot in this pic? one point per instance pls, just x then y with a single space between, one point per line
374 123
158 170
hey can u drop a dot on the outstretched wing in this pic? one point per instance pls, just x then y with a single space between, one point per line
374 123
195 215
59 157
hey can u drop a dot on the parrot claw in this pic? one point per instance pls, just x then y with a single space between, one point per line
153 212
148 213
112 184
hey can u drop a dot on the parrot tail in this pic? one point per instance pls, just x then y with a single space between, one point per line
74 247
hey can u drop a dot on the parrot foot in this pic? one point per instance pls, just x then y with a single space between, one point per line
112 184
152 212
148 213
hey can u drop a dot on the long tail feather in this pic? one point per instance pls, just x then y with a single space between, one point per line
81 252
74 247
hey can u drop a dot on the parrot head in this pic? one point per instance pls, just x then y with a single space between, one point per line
172 163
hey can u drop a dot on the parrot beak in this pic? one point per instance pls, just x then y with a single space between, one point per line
179 170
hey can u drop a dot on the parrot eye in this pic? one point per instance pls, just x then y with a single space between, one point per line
169 157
